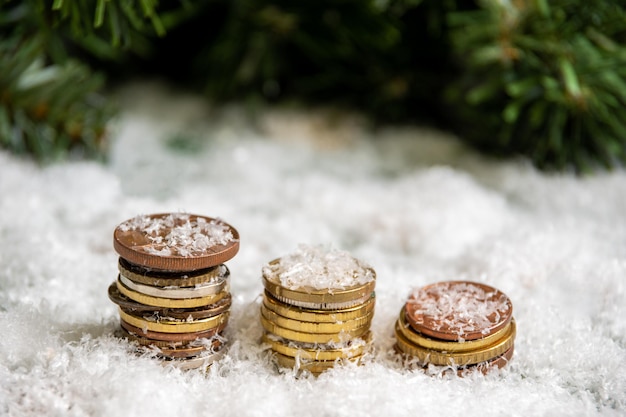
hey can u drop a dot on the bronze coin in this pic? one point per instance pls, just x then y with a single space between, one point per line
172 337
176 241
131 306
191 351
178 349
458 310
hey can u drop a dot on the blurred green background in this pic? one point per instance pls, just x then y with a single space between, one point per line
538 78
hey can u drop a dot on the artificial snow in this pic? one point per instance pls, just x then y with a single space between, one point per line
319 268
413 203
459 307
176 234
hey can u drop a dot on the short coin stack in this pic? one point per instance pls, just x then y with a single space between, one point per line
317 308
173 289
458 324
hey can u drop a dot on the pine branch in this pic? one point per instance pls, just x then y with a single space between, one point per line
48 110
547 80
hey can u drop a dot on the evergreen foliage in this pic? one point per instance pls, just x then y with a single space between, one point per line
50 100
546 79
543 79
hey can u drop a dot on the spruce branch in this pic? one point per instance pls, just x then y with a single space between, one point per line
547 80
48 110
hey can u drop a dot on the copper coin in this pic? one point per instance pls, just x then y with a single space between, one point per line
458 310
176 350
191 351
176 241
172 337
131 306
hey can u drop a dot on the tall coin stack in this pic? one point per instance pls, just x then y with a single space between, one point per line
460 324
317 308
173 288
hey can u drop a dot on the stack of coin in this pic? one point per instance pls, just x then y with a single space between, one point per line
459 324
173 288
317 308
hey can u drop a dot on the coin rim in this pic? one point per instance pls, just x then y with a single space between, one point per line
316 327
175 293
456 358
311 337
315 367
325 306
168 302
194 363
461 371
446 345
156 278
170 326
131 306
321 354
177 263
173 337
313 315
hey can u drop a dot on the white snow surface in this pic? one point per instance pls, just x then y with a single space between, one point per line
413 203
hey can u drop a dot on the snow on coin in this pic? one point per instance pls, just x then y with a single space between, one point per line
319 268
458 310
176 241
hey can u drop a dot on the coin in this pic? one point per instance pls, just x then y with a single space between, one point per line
456 358
164 325
131 306
458 310
197 362
189 349
157 278
323 299
177 293
326 306
168 302
446 345
312 337
355 347
172 337
484 367
316 367
318 316
315 327
176 241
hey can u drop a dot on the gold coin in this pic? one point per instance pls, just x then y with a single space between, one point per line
309 297
174 326
312 337
174 338
325 306
317 316
312 327
315 367
167 302
175 349
456 358
176 293
171 279
484 367
322 352
446 345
